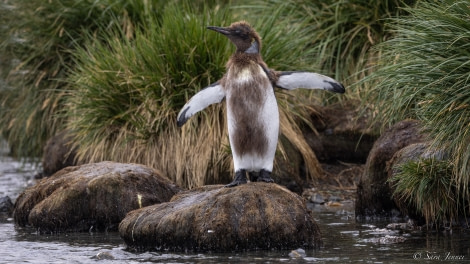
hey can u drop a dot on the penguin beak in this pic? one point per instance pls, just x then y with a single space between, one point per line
221 30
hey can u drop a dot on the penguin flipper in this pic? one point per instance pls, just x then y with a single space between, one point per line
212 94
291 80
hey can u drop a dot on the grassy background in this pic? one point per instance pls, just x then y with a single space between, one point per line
38 38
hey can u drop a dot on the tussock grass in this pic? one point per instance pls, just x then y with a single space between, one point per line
128 91
424 74
427 185
35 51
342 33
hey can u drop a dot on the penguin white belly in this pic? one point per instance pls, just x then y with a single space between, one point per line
253 121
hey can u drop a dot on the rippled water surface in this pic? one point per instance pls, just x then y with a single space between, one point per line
345 240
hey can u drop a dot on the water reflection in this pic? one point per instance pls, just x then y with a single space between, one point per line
345 240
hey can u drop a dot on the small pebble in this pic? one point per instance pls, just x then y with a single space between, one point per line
334 204
334 198
5 204
391 239
397 226
298 253
317 199
103 255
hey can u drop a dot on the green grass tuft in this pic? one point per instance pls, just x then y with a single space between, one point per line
428 186
341 34
37 38
128 91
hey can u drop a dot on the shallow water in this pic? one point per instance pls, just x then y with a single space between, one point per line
345 240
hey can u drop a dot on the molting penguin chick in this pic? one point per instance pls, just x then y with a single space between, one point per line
252 112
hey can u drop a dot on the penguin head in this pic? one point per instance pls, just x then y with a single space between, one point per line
242 35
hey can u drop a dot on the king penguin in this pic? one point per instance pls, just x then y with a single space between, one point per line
252 112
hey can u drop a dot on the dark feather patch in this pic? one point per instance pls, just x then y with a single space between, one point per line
337 87
182 120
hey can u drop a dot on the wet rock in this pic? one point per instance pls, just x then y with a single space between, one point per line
298 253
6 206
392 239
103 256
333 204
213 218
329 197
335 198
374 196
317 199
410 225
387 240
290 172
58 154
94 196
343 133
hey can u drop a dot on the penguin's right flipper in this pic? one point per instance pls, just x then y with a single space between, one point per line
291 80
207 96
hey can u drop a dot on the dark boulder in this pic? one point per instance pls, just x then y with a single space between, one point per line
213 218
374 196
342 133
58 153
92 196
6 206
290 172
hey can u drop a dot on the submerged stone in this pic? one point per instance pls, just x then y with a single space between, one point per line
298 253
213 218
93 196
6 206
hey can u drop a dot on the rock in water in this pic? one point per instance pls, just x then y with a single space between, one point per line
94 196
213 218
298 253
374 196
6 206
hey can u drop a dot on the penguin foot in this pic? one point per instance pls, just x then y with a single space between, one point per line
240 178
253 176
264 176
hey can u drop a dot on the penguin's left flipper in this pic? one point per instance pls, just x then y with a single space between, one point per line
291 80
207 96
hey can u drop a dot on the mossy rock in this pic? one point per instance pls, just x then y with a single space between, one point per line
92 196
213 218
374 196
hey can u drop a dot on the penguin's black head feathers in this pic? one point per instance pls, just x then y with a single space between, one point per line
242 35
